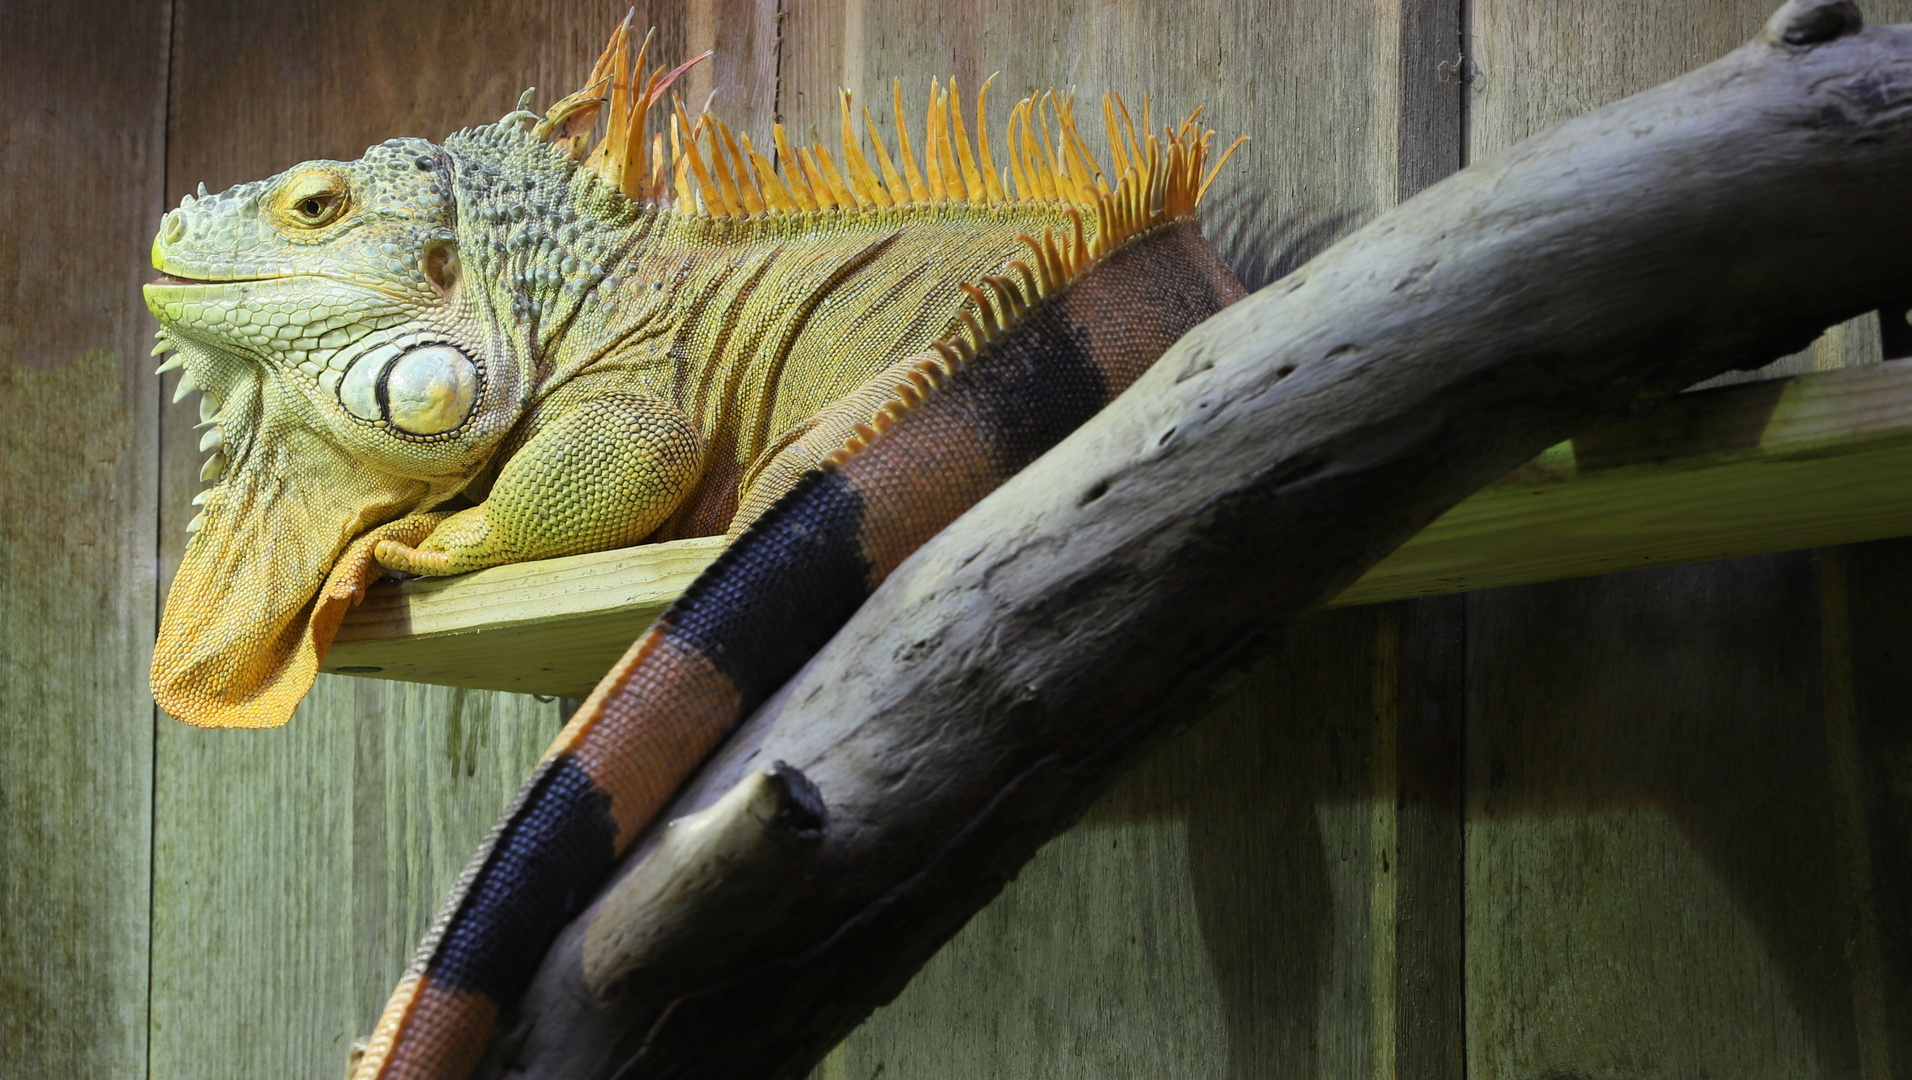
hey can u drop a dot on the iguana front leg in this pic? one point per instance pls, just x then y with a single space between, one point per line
602 475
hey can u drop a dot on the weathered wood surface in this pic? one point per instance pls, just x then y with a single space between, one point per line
1271 457
1248 869
1252 875
82 145
1869 692
1655 884
1774 466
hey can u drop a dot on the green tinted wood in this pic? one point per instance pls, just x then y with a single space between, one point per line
1656 884
82 144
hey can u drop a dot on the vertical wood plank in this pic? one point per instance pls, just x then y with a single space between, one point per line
1211 917
296 868
1878 610
1429 686
1652 885
82 126
739 83
1654 879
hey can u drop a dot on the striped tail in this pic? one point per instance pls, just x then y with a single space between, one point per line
1043 348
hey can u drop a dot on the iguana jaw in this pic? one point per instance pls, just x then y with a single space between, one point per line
295 482
245 626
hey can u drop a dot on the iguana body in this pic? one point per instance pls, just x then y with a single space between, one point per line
613 351
594 354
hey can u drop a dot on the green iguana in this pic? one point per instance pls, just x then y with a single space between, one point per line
596 348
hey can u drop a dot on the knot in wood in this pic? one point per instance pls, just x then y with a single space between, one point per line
1810 22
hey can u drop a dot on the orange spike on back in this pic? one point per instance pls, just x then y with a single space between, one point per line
933 142
750 197
1151 175
842 192
899 192
793 171
992 187
705 185
813 176
1025 188
775 194
862 179
919 192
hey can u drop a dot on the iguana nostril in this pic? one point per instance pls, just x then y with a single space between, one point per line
174 230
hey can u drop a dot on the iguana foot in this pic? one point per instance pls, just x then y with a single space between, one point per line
399 559
464 542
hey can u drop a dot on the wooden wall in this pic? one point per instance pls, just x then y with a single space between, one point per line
1652 824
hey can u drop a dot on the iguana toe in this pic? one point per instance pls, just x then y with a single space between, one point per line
405 559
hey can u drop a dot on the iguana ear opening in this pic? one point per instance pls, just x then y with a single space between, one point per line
272 570
440 267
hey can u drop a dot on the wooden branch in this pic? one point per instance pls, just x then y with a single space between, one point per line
1808 461
1008 671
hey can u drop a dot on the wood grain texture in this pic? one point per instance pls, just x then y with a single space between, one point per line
1754 468
294 871
1141 944
1051 629
82 124
1216 915
1655 878
1877 610
1653 881
552 627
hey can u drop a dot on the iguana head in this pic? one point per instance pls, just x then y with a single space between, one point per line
354 371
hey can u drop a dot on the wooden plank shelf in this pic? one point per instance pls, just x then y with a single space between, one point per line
1807 461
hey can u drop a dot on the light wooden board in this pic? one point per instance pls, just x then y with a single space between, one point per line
551 627
1752 468
82 144
1656 819
1771 466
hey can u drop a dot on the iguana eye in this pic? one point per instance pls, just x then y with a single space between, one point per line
315 202
316 210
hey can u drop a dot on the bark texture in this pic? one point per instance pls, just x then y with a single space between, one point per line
1007 672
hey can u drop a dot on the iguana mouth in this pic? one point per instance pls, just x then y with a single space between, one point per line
175 279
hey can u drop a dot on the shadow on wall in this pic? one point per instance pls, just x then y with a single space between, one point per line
1260 784
1263 247
1622 733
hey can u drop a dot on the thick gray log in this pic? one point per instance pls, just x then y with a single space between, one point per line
1007 672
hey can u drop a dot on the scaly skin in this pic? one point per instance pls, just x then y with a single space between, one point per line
1054 347
832 368
617 369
